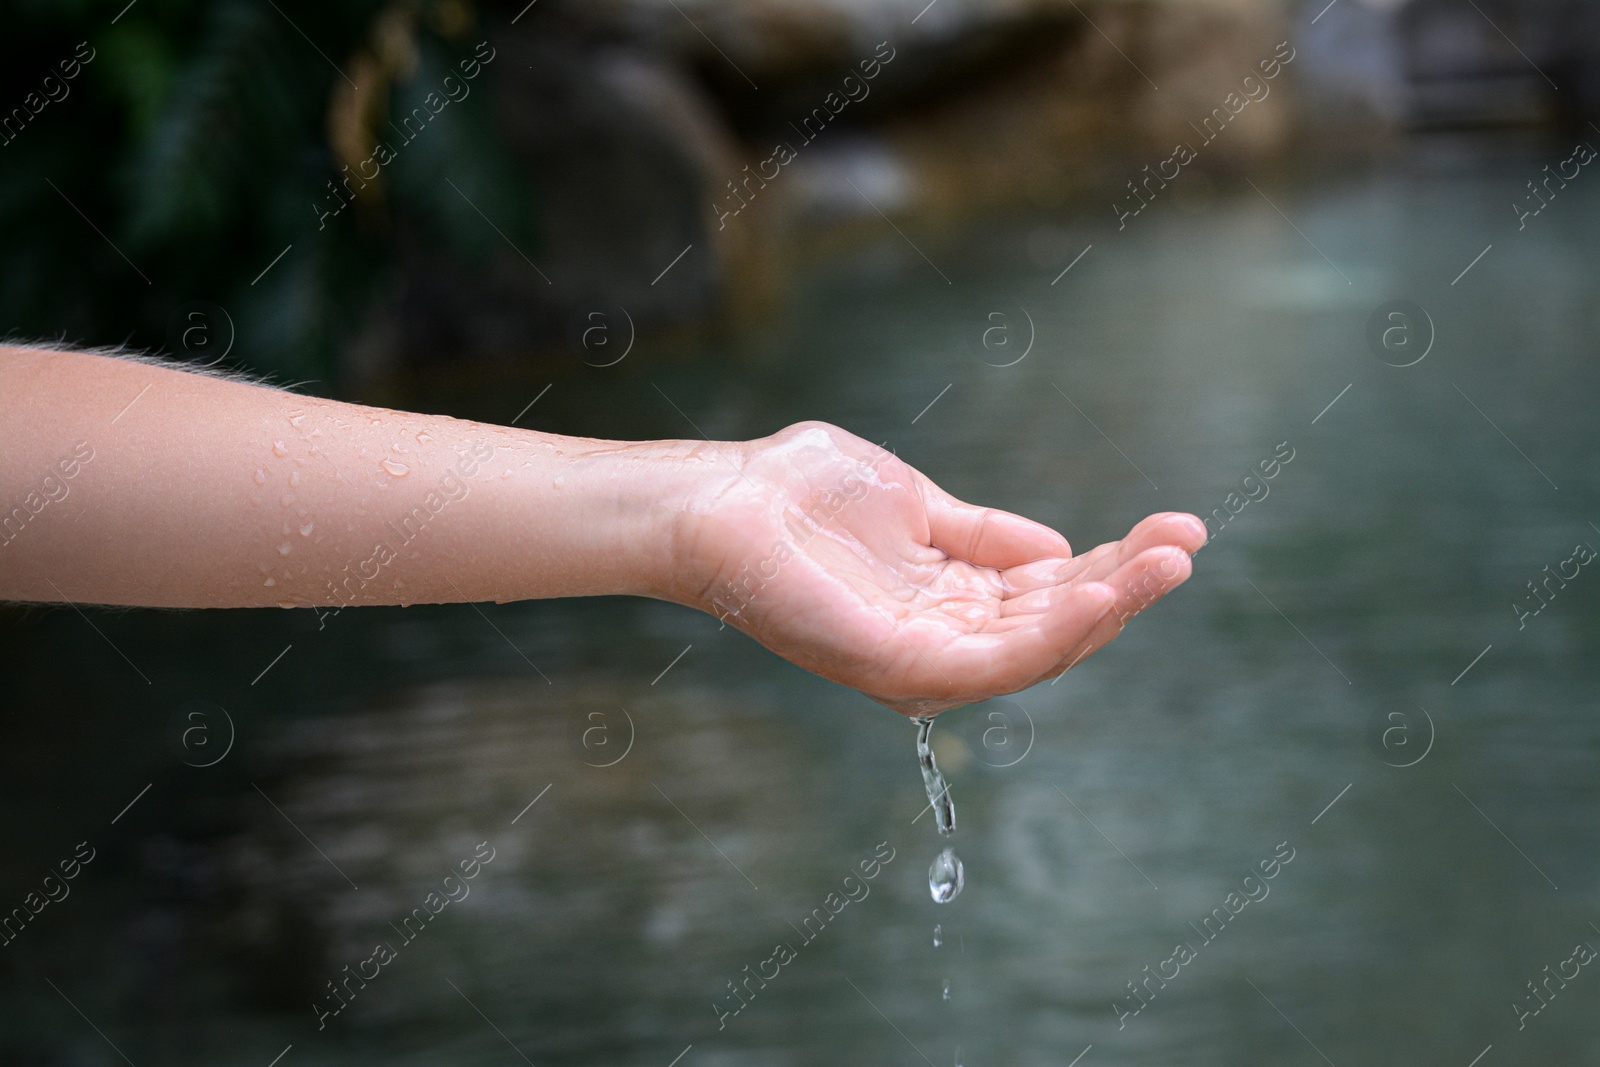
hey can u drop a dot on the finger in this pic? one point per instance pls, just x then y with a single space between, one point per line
1148 577
1179 528
1004 660
1041 574
1036 601
1138 584
1166 528
986 537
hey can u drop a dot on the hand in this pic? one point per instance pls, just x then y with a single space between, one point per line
847 561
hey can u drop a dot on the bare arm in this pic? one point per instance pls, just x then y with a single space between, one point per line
165 488
138 484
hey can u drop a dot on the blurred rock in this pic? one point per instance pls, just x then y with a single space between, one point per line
684 155
645 128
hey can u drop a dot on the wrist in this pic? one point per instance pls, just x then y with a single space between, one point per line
654 499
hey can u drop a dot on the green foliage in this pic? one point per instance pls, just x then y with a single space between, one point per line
197 142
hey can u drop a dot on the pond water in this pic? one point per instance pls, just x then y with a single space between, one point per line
1341 767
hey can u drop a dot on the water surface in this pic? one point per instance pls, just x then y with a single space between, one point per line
687 824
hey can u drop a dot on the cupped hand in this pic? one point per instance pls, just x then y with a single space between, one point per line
843 559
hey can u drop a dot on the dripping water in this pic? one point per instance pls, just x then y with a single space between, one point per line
944 811
945 875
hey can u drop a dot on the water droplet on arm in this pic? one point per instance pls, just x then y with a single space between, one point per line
399 470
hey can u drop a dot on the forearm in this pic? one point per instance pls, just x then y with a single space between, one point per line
127 483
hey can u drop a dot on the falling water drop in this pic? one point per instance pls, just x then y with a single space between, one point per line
947 990
938 931
946 877
399 470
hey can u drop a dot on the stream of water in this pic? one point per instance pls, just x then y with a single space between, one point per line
945 874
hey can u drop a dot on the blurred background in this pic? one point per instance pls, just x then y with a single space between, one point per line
1081 259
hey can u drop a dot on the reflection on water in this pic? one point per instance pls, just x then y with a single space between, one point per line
1314 689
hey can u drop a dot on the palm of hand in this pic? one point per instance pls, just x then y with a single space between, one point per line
847 561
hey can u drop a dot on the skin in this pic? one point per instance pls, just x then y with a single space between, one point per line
203 492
